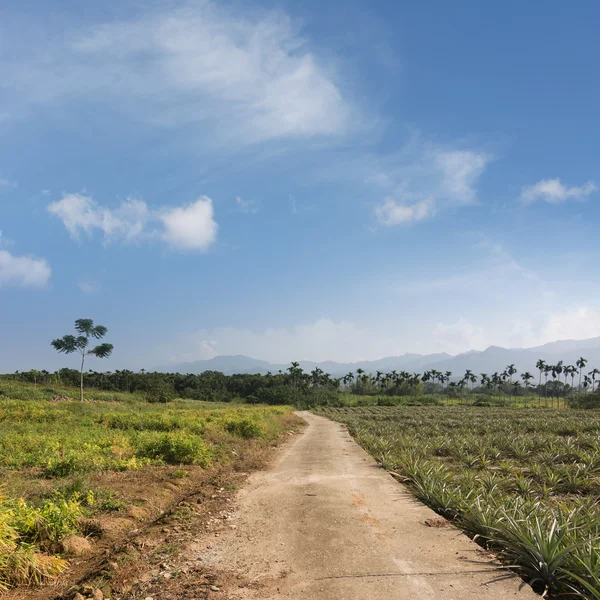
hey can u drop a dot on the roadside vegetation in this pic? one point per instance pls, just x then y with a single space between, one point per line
52 446
554 386
497 454
523 483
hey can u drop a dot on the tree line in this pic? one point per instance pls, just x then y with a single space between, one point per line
294 386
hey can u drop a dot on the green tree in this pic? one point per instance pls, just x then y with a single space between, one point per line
526 377
541 365
70 343
581 362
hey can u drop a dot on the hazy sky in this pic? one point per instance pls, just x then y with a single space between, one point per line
310 180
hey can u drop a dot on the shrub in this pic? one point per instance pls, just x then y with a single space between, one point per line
48 524
159 390
178 448
244 427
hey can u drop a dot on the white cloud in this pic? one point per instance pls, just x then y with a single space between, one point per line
88 287
423 181
246 206
245 75
191 227
554 191
188 227
460 336
23 271
390 212
460 171
80 213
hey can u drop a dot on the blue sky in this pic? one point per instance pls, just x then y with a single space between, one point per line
341 180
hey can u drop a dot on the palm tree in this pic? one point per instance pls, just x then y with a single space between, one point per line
573 371
593 374
447 375
557 369
540 364
467 376
581 362
526 377
510 371
359 374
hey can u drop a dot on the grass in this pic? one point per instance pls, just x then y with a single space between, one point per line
50 445
524 483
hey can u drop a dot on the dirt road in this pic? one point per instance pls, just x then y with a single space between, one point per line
326 523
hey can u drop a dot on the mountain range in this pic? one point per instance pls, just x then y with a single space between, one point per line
490 360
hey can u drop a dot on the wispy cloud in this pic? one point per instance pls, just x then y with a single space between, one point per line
189 227
390 212
554 191
246 76
23 271
426 182
88 287
7 183
80 214
459 336
246 206
460 171
316 340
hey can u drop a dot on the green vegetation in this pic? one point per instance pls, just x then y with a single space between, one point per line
562 386
86 330
523 483
51 442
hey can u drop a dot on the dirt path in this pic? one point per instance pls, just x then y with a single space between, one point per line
326 523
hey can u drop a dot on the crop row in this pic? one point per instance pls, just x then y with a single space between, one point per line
524 482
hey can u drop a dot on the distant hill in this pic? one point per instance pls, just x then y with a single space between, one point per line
488 361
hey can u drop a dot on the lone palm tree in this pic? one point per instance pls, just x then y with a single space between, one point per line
86 330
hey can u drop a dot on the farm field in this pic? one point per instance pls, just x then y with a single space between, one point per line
71 470
524 482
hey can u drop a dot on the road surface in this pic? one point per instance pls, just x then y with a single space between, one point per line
327 523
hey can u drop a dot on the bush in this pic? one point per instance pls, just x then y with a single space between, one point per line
159 390
177 448
244 427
